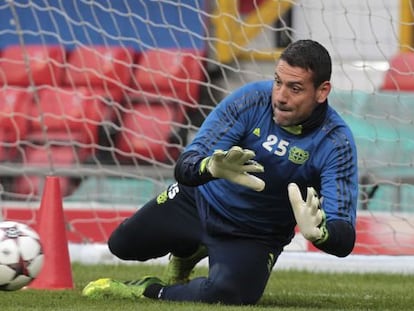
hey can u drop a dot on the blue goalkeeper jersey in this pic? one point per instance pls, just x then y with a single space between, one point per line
323 157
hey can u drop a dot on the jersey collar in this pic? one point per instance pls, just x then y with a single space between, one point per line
315 120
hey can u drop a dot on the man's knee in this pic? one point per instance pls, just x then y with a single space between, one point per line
120 245
117 245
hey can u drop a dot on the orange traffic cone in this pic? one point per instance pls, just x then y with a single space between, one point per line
56 272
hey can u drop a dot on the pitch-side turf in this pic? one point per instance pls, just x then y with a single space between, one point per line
286 290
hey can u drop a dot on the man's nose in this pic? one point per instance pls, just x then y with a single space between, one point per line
280 94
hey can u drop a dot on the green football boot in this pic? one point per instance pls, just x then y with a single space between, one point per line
109 288
179 269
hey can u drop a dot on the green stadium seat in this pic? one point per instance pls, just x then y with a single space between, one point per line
383 131
117 190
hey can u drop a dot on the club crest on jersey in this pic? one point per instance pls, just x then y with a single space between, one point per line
298 155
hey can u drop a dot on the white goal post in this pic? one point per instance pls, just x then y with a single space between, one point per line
106 94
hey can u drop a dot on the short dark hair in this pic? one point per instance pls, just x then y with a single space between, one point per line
310 55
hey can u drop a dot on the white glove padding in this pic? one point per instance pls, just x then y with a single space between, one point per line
234 165
310 218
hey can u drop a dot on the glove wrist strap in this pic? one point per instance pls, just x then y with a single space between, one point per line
324 237
203 169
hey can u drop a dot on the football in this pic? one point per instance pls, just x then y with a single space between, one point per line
21 255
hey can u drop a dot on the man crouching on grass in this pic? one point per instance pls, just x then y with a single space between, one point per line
259 165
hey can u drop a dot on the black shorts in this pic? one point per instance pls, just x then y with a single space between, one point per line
239 267
167 223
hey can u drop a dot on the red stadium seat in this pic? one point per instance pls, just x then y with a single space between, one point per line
400 76
175 74
105 69
66 114
15 105
42 157
32 65
149 132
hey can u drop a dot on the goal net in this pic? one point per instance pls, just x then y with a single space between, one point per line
106 94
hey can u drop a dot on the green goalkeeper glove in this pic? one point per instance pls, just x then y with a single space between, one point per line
311 219
234 165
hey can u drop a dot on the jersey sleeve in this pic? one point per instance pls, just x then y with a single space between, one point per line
339 178
224 127
339 189
187 169
341 238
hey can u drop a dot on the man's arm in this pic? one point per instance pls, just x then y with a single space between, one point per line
336 237
341 238
187 169
234 165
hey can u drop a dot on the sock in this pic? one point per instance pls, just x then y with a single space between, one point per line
153 291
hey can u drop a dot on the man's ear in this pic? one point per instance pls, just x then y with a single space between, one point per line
323 91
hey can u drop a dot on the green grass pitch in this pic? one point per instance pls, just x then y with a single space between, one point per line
286 290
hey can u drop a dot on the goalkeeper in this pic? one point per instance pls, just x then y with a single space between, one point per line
260 164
